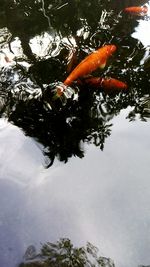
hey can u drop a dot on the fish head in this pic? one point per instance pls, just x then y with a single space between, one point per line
112 49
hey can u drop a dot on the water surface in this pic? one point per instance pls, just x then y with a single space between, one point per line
77 169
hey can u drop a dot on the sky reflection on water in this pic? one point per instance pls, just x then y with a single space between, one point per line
106 202
103 198
140 33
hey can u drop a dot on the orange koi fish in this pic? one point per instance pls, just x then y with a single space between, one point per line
97 59
93 81
109 85
137 10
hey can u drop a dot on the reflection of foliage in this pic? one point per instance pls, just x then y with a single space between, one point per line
25 99
64 254
62 130
142 110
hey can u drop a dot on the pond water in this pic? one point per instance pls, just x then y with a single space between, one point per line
76 167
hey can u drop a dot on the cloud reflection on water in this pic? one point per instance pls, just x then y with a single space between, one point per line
141 33
106 203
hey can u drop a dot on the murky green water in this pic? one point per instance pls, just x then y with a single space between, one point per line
76 167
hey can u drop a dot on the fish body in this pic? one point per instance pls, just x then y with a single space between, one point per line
93 81
137 10
96 59
111 85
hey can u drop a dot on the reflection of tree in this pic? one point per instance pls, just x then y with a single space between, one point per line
26 19
64 254
141 110
63 129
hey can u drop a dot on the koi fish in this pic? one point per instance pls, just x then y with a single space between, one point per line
93 81
97 59
137 10
109 85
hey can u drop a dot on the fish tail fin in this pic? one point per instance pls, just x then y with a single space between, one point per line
63 92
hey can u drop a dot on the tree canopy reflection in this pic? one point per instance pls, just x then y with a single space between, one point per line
57 30
64 254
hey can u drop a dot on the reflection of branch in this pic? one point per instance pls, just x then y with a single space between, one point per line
141 110
45 15
26 48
